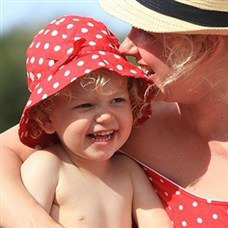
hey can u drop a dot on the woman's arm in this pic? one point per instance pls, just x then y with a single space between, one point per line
18 208
148 210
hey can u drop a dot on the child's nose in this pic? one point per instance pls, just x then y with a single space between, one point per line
104 118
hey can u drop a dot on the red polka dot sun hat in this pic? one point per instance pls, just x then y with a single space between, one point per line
66 49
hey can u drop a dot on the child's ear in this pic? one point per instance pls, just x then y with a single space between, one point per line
48 125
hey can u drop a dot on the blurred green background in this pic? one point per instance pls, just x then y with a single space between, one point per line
20 22
13 75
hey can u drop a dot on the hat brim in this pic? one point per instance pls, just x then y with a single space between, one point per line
65 76
141 17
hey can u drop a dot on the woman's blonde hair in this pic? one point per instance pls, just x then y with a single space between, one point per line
184 53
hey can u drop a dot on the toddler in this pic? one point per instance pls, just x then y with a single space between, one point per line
85 98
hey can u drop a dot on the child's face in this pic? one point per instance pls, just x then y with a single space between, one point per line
94 125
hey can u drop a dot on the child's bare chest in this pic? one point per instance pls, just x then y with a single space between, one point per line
85 200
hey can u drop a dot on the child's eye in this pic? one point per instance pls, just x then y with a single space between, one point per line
118 100
86 105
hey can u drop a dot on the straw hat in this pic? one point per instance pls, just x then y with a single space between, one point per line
172 16
66 49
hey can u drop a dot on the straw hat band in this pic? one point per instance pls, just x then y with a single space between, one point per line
178 10
172 16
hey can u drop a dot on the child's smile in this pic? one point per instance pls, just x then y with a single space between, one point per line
102 136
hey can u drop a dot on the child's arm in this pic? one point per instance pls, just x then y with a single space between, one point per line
40 173
18 208
148 210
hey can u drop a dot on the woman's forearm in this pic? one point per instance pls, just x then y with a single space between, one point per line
18 208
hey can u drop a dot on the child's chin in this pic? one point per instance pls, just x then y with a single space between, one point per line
101 156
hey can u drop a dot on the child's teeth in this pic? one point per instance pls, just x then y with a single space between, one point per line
104 139
101 136
103 133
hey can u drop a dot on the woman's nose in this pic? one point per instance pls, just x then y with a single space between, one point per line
128 46
104 118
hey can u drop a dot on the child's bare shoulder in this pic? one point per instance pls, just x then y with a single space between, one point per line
44 158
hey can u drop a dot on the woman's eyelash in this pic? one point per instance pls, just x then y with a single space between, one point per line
148 35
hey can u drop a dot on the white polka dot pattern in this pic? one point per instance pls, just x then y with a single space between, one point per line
119 67
84 30
67 73
39 91
56 85
64 36
133 71
80 63
87 71
194 204
41 61
46 32
95 56
51 63
32 60
29 103
44 96
49 78
102 64
98 36
215 216
69 51
102 52
186 209
38 45
90 24
199 220
70 26
46 46
54 33
92 43
73 79
57 48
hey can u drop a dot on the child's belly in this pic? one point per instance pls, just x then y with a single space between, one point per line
92 216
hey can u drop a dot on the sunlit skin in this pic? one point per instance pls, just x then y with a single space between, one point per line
82 173
92 112
163 146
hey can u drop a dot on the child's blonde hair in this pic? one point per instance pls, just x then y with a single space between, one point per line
95 81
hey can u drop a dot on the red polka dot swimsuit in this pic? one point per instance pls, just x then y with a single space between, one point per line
186 209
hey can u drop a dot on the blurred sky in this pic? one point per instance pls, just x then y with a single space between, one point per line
39 12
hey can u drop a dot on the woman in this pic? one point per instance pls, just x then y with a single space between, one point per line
183 46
